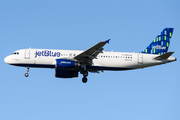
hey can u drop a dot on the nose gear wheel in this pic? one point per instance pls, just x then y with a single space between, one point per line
26 74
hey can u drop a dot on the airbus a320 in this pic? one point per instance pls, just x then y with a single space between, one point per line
69 63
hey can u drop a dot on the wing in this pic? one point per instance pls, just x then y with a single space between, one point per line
90 54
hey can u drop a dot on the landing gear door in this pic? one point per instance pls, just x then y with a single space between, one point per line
27 54
140 58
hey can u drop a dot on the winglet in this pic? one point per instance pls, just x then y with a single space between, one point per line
107 41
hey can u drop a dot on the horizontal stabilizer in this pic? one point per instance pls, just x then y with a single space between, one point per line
164 56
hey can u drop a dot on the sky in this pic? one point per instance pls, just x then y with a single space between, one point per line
144 94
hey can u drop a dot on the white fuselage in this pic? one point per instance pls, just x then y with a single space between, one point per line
46 58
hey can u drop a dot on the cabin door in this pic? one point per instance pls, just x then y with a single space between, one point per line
140 58
27 54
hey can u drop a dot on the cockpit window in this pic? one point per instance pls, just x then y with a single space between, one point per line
15 53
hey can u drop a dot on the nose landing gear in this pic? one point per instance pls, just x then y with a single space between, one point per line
26 74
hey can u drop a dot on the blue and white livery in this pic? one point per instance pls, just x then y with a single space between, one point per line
68 63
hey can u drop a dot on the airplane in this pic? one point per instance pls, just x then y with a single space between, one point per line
68 63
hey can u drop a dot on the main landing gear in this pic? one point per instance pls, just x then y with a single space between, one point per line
84 79
26 74
84 72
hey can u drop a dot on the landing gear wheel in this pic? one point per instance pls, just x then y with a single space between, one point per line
85 73
84 79
26 74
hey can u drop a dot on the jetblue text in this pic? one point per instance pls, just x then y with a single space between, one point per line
47 53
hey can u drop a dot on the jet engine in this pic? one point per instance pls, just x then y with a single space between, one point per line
65 73
65 63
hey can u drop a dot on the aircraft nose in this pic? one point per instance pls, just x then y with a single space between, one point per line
7 59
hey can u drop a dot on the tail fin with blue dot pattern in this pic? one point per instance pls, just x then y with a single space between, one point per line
161 43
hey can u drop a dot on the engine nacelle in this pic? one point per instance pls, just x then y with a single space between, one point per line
65 73
65 63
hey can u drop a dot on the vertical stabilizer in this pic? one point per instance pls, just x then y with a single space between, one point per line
161 43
